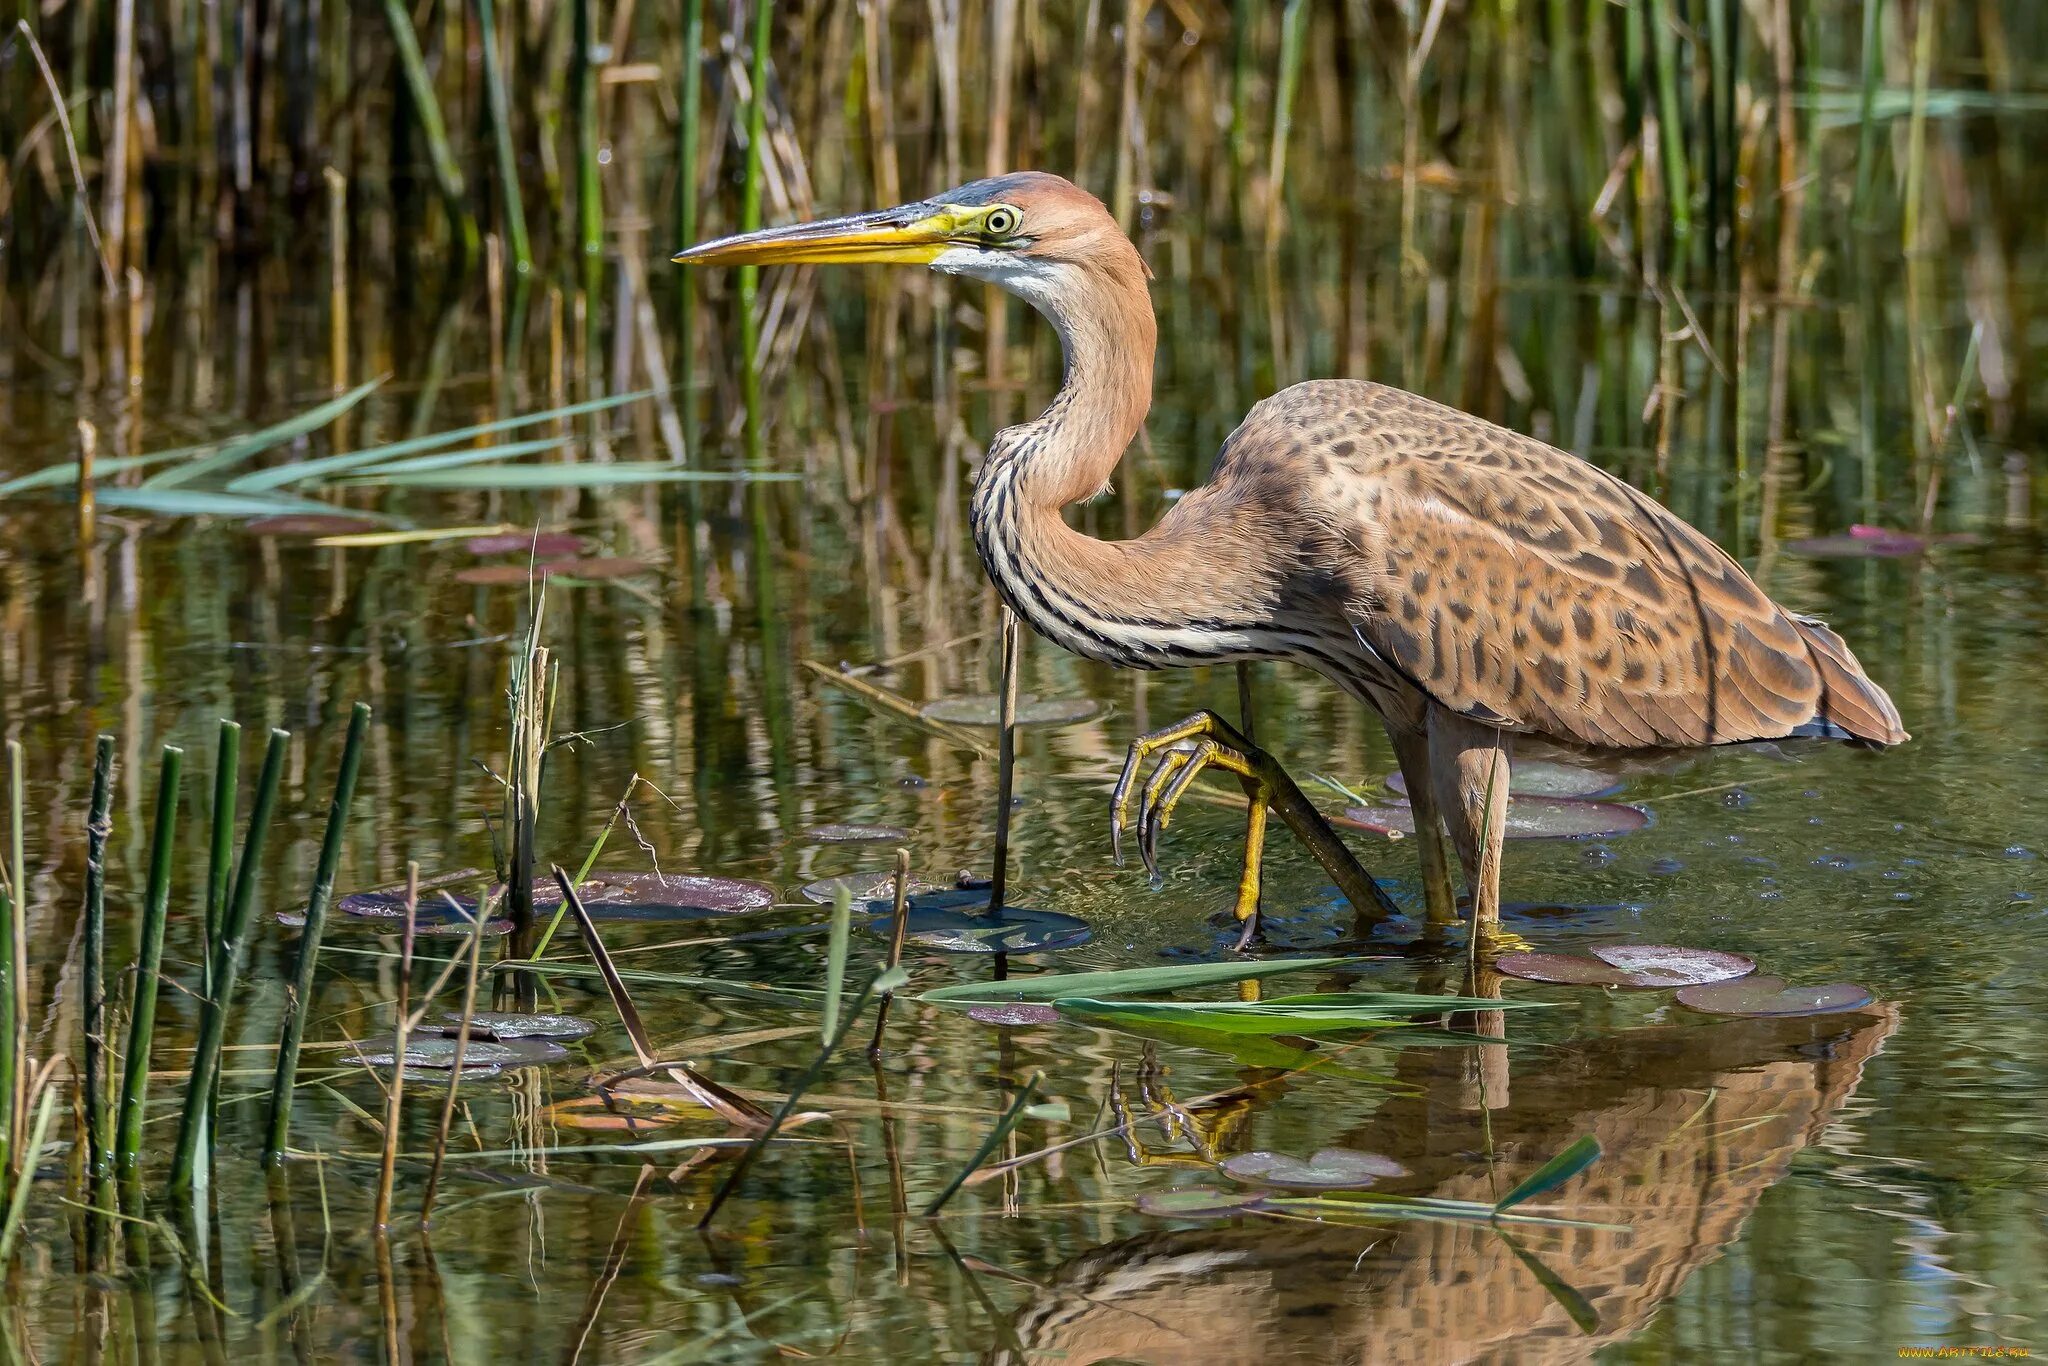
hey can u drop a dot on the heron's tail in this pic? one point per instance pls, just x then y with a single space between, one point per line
1849 701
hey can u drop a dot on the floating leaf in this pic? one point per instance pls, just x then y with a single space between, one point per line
448 460
1014 1015
438 1050
1327 1169
661 896
1764 995
543 544
863 887
1553 1173
844 833
960 922
1643 967
1539 778
496 1025
415 536
388 902
1561 969
1126 981
1196 1202
985 709
1674 967
1872 542
306 524
1529 818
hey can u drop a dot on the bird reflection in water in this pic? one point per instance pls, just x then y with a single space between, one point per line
1696 1123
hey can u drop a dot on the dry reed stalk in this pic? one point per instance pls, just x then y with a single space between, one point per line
401 1033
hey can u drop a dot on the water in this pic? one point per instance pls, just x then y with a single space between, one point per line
1790 1190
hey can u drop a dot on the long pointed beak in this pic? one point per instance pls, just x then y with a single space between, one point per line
914 234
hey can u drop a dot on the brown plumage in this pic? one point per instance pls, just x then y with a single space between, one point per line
1471 584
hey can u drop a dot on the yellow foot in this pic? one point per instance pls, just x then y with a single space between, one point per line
1182 752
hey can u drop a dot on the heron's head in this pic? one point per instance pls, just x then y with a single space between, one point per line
1032 233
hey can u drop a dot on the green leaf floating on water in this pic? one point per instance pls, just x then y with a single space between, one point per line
1328 1013
1127 981
242 448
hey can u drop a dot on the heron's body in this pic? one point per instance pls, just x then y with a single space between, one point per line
1470 584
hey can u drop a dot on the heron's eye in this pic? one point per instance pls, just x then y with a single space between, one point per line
1001 221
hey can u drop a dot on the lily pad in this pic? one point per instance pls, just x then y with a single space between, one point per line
1014 1015
1197 1202
670 896
307 525
1529 818
546 545
1764 995
501 1025
388 903
1539 778
1863 542
850 833
863 887
985 709
1675 967
438 1050
960 922
1641 967
1327 1169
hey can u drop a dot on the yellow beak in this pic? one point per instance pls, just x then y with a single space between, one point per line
914 234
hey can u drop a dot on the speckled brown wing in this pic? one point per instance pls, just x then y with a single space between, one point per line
1520 585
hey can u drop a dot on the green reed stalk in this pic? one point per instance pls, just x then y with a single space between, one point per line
501 137
99 826
1294 25
13 953
750 219
156 905
690 99
1866 123
227 966
220 865
1671 122
589 204
299 1001
441 155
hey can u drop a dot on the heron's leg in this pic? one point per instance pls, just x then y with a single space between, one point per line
1439 895
1469 763
1218 744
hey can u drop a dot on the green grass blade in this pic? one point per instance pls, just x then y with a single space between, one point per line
624 473
1553 1173
165 502
1123 981
260 480
66 474
448 460
255 443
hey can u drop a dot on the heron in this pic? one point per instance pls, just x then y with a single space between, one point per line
1477 588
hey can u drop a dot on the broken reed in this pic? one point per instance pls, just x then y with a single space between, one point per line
298 1002
193 1123
99 826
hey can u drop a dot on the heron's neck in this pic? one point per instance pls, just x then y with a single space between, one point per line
1174 595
